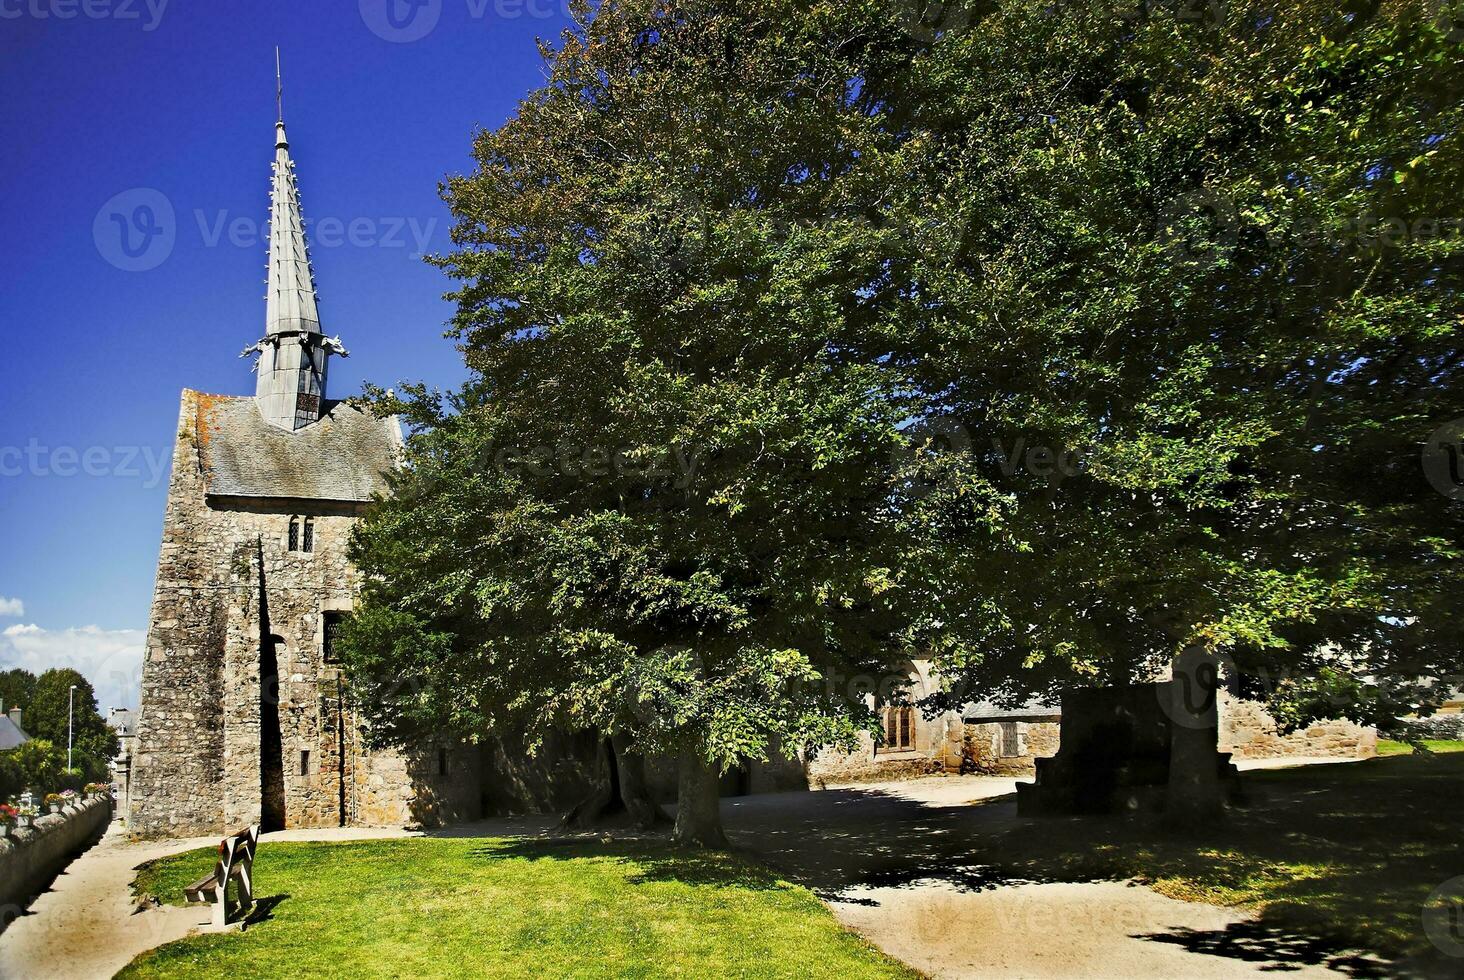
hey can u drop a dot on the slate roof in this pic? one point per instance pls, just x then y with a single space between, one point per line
988 711
11 734
343 457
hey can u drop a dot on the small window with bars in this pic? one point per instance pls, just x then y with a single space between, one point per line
899 729
1009 739
333 623
307 540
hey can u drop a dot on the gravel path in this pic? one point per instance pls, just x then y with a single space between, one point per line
891 860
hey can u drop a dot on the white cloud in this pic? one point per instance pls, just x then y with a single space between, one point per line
110 659
11 607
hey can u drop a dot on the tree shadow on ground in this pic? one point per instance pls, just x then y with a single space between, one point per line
653 860
1335 858
1277 949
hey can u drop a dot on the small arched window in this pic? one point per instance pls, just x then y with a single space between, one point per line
308 542
294 534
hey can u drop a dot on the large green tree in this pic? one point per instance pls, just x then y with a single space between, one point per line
17 686
1214 250
50 709
660 508
782 317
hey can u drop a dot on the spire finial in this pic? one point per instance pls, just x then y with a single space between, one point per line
279 89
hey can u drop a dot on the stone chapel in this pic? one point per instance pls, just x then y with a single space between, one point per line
244 716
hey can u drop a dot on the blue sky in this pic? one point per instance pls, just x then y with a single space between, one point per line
168 105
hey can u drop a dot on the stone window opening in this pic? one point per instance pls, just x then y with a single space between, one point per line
304 762
294 534
899 729
442 762
332 630
308 541
1009 740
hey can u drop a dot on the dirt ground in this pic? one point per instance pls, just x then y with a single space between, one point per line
888 859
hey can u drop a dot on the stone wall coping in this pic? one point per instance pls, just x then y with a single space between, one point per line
50 823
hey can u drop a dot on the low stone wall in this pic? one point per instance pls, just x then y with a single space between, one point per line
1248 731
30 858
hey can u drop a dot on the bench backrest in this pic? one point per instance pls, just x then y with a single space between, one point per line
236 853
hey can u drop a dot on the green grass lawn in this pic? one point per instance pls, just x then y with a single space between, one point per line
427 907
1389 747
1347 852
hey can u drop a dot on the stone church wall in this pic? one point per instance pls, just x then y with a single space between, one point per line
229 590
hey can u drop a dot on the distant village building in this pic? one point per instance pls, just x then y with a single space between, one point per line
244 716
122 721
12 736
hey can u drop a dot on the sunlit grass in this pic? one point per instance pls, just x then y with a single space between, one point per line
504 908
1390 747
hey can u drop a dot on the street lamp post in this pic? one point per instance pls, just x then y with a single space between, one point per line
70 720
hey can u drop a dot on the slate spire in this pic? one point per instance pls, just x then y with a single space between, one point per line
293 355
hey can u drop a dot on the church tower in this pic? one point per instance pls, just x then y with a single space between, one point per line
245 716
293 355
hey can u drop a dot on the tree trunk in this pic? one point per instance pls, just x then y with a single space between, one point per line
698 803
1195 796
620 789
635 794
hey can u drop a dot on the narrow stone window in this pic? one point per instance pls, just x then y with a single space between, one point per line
333 621
294 534
304 762
309 540
442 762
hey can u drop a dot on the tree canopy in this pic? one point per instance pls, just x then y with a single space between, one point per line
1049 340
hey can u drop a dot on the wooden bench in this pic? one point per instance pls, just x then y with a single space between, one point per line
236 861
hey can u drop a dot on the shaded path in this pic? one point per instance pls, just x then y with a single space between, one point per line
895 863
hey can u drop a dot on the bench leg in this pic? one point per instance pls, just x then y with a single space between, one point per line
246 888
221 906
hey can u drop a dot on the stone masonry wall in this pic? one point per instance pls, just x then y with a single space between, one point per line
31 857
937 749
228 584
1248 731
982 747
